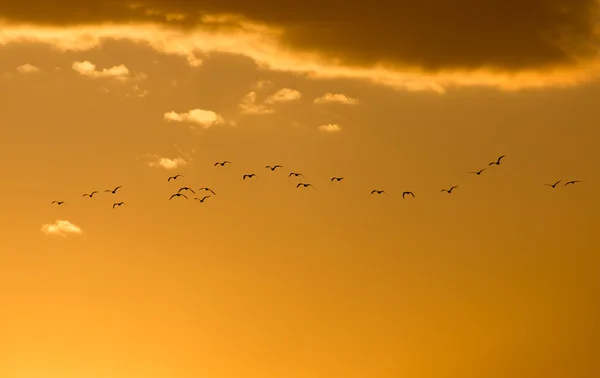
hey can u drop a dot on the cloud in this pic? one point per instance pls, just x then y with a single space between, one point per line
248 105
260 84
283 95
157 161
337 98
200 117
548 44
193 61
27 68
330 128
61 228
86 68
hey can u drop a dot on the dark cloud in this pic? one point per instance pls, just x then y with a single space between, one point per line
431 34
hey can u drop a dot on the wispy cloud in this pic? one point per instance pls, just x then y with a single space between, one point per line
27 68
330 128
337 98
193 60
87 68
283 95
157 161
61 228
200 117
248 105
260 84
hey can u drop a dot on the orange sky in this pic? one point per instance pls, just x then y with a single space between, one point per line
498 279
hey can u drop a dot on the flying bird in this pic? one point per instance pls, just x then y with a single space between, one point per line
553 185
295 174
337 178
222 163
91 194
202 199
249 175
497 162
118 204
186 188
113 191
178 195
209 190
174 177
572 182
273 167
406 193
57 202
449 190
304 185
378 191
478 172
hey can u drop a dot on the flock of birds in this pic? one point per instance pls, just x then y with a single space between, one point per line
246 176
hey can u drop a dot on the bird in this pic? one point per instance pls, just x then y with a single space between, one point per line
572 182
449 190
497 162
304 185
209 190
273 167
178 195
249 175
113 191
405 193
295 174
57 202
186 188
378 191
222 163
336 178
202 199
553 185
118 204
478 172
174 177
91 194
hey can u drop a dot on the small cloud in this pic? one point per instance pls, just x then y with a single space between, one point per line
62 228
338 98
86 68
262 84
174 17
248 105
330 128
193 61
157 161
140 92
27 68
203 118
283 95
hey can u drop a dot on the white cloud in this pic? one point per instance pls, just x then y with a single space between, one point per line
283 95
248 105
330 128
87 68
262 84
139 92
200 117
193 61
158 161
27 68
337 98
61 227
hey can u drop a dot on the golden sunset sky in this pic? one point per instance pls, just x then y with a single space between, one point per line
499 279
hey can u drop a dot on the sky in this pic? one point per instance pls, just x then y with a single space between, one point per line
263 279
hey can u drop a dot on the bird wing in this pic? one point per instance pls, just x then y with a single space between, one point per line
373 191
243 178
117 188
500 158
114 204
217 163
191 190
444 190
183 195
290 175
455 186
210 190
169 178
277 166
205 197
299 185
412 194
174 195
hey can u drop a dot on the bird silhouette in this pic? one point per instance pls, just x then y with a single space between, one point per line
304 185
249 175
478 172
449 190
91 194
113 191
405 193
378 191
57 202
553 185
572 182
208 190
185 188
118 204
174 177
222 163
497 162
178 195
202 199
273 167
336 178
295 174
